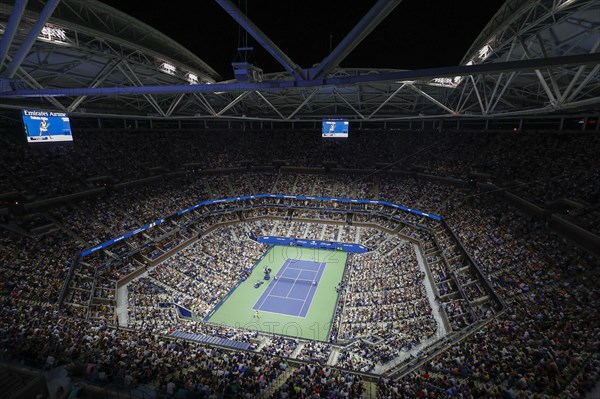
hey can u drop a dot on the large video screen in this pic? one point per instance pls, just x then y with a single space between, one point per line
335 127
46 126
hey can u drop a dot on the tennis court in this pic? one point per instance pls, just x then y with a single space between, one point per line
288 303
292 289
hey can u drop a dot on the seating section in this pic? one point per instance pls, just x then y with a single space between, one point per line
491 302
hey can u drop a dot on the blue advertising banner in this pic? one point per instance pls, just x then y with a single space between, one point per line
259 196
310 198
298 242
120 238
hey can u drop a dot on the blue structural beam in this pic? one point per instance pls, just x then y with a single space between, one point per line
11 29
365 26
275 85
289 65
31 38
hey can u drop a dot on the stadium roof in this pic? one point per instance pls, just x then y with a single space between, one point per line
535 57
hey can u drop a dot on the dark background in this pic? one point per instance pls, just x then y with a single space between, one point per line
417 34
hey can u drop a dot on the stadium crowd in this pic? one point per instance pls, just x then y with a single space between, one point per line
544 344
104 354
384 300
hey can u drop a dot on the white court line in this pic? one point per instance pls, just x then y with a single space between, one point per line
283 268
270 290
285 297
302 270
279 313
314 274
322 264
293 284
311 271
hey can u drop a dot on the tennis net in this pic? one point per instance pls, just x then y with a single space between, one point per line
294 280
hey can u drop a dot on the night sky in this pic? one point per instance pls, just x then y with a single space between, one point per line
417 34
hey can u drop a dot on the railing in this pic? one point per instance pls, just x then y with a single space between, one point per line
63 291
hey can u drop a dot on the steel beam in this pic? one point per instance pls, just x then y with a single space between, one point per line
22 74
365 26
348 104
387 100
577 75
174 104
506 85
269 104
479 100
231 104
30 39
421 74
306 100
205 103
285 61
584 83
102 75
11 29
147 96
433 100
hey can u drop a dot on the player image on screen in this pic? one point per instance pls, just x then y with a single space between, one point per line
46 126
335 128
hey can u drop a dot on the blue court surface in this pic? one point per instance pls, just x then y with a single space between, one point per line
291 291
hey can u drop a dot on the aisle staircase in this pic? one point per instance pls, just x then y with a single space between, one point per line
370 391
298 349
275 385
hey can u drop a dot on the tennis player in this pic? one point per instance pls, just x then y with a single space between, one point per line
44 128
